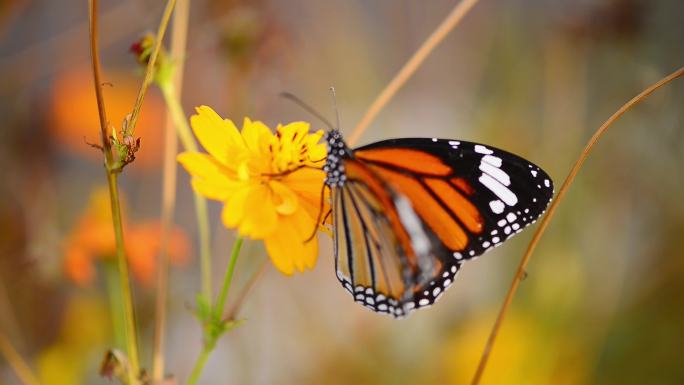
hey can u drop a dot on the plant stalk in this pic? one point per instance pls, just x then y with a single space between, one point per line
215 318
14 359
189 144
169 177
520 273
450 22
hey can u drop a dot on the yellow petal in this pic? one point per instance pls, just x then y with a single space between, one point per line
285 199
287 247
218 136
215 190
204 166
257 136
259 218
243 171
210 178
294 132
235 207
308 184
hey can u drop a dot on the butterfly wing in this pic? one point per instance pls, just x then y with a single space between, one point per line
384 255
472 196
412 210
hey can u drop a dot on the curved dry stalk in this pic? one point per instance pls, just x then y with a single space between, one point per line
112 175
436 37
97 79
520 274
150 70
20 367
235 308
124 278
169 172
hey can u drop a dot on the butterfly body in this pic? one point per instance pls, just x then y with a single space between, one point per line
407 213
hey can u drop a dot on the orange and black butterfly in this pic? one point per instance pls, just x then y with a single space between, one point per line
407 213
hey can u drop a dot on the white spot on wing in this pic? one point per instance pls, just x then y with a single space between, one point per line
501 191
480 149
511 217
497 206
493 160
495 172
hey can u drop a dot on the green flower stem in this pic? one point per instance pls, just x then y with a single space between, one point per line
124 280
218 310
214 325
188 142
115 303
199 365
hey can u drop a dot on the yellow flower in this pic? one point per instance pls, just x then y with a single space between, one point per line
270 183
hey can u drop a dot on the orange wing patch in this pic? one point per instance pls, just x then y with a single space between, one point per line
357 171
458 204
463 185
406 158
432 213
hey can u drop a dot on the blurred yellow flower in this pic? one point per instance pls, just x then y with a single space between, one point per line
270 183
528 351
82 332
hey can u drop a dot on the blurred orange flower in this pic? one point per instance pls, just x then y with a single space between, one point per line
74 115
93 238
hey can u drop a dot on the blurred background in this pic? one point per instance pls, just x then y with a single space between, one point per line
603 301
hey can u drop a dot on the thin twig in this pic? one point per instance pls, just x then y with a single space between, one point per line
17 363
149 72
124 279
178 44
97 80
112 175
451 21
520 273
237 305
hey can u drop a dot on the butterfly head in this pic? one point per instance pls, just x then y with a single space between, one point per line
337 152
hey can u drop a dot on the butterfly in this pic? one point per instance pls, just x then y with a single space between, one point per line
407 213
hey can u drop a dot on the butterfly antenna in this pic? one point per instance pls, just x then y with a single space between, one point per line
306 107
337 113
